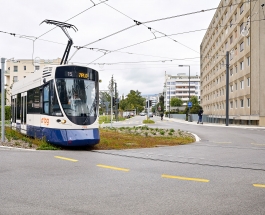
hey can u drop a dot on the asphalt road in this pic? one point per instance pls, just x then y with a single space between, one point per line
223 173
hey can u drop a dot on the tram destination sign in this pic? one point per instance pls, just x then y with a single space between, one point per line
75 72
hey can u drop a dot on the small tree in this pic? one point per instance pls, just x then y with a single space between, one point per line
176 102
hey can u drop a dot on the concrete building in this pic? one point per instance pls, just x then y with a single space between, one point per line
20 68
235 28
181 86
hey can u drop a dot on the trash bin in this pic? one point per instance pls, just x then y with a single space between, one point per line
189 118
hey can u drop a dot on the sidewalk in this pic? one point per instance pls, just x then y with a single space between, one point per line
213 124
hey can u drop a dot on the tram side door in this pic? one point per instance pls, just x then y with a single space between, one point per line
24 113
14 111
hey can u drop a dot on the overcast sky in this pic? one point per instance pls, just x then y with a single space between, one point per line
24 18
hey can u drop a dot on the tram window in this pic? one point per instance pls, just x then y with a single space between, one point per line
13 110
19 106
46 99
33 101
54 107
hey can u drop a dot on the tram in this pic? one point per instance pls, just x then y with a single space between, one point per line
58 103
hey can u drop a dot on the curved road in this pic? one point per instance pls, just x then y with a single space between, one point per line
223 173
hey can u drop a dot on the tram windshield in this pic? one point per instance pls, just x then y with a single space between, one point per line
78 97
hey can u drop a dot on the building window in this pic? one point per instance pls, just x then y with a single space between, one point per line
231 23
231 104
231 72
37 67
15 68
235 16
248 82
231 88
231 39
241 46
242 9
235 103
241 65
235 86
25 68
15 79
241 103
241 84
248 99
236 69
241 27
248 59
248 39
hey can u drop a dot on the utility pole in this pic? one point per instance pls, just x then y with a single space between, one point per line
116 102
227 90
3 97
111 105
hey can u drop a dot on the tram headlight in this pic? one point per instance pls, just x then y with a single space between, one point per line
63 121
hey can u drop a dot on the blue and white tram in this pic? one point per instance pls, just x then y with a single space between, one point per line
60 104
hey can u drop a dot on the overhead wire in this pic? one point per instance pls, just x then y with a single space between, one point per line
73 17
134 62
171 35
131 53
149 27
140 23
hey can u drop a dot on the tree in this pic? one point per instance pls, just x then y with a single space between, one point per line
176 102
134 100
195 105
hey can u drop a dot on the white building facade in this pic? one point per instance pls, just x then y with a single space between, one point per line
181 86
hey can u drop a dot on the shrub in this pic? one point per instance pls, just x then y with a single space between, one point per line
7 113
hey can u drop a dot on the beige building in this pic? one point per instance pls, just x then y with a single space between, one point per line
20 68
237 28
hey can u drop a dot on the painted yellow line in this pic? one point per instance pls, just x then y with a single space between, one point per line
258 144
185 178
113 167
259 185
222 142
64 158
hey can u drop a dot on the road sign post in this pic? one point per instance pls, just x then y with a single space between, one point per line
189 115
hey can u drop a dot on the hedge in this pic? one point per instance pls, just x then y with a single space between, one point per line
7 113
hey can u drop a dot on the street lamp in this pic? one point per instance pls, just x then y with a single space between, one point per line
189 118
165 97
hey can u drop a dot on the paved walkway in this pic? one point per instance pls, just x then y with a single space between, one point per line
213 124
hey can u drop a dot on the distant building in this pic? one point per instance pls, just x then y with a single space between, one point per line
153 98
20 68
180 86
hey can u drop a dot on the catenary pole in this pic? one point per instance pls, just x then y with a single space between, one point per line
3 97
227 90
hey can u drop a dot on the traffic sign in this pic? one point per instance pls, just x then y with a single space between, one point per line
189 104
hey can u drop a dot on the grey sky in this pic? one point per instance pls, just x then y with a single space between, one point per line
24 17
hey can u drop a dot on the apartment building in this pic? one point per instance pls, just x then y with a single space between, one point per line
180 86
20 68
236 28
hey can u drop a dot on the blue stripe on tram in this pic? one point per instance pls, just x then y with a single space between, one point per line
62 137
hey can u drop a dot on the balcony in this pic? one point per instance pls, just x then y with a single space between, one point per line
7 73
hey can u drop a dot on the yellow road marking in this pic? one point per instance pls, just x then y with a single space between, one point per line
259 185
222 142
185 178
113 167
64 158
258 144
